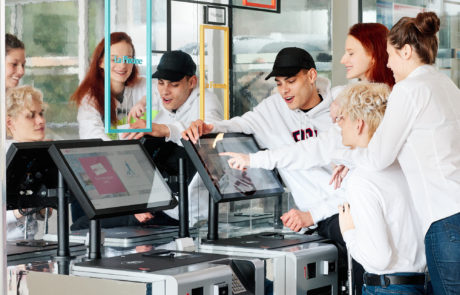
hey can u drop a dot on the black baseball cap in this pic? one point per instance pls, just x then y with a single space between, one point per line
289 61
174 66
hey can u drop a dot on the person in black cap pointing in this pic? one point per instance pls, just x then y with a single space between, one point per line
176 105
177 102
299 111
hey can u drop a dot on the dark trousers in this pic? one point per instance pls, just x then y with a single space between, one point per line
329 228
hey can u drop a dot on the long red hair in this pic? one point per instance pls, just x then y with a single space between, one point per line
373 37
93 83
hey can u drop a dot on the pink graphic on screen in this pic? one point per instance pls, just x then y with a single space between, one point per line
102 175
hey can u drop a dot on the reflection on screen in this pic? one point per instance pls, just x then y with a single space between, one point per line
226 179
116 176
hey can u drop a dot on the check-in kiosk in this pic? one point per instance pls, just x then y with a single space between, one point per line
167 157
119 177
32 183
296 264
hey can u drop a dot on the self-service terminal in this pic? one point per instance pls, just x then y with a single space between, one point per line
119 177
295 263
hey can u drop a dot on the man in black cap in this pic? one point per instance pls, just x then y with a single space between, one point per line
298 111
175 105
177 101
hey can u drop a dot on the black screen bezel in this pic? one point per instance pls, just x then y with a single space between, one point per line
80 194
213 190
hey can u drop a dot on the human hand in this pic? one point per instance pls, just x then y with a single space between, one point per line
139 124
144 217
334 111
345 219
143 248
339 173
237 160
17 214
196 129
296 219
43 212
158 130
137 110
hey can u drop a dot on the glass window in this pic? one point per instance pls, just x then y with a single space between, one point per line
259 36
49 30
389 12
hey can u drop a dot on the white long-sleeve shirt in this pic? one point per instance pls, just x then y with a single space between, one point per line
421 128
90 121
387 237
179 120
274 125
317 151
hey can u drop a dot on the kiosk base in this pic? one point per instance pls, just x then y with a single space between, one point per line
296 264
174 272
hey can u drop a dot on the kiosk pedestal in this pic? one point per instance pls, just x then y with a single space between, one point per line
296 264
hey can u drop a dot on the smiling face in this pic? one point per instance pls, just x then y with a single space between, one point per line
299 91
28 124
175 94
397 63
356 60
119 72
15 66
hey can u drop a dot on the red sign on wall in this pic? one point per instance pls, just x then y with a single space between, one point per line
252 4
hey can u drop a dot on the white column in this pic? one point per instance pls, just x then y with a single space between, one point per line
83 52
344 15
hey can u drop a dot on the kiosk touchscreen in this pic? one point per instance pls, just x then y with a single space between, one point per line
112 178
224 183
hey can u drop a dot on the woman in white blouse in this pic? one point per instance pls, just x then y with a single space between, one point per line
380 227
421 129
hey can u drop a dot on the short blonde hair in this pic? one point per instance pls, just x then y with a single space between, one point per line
366 101
20 98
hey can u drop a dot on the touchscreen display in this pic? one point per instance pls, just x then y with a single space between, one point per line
117 176
231 183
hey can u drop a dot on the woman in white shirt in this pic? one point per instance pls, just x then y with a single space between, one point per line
25 122
380 227
127 88
421 129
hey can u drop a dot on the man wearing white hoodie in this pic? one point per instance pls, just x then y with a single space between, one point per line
299 111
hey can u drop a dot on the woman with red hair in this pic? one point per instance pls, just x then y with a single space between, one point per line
127 88
366 56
